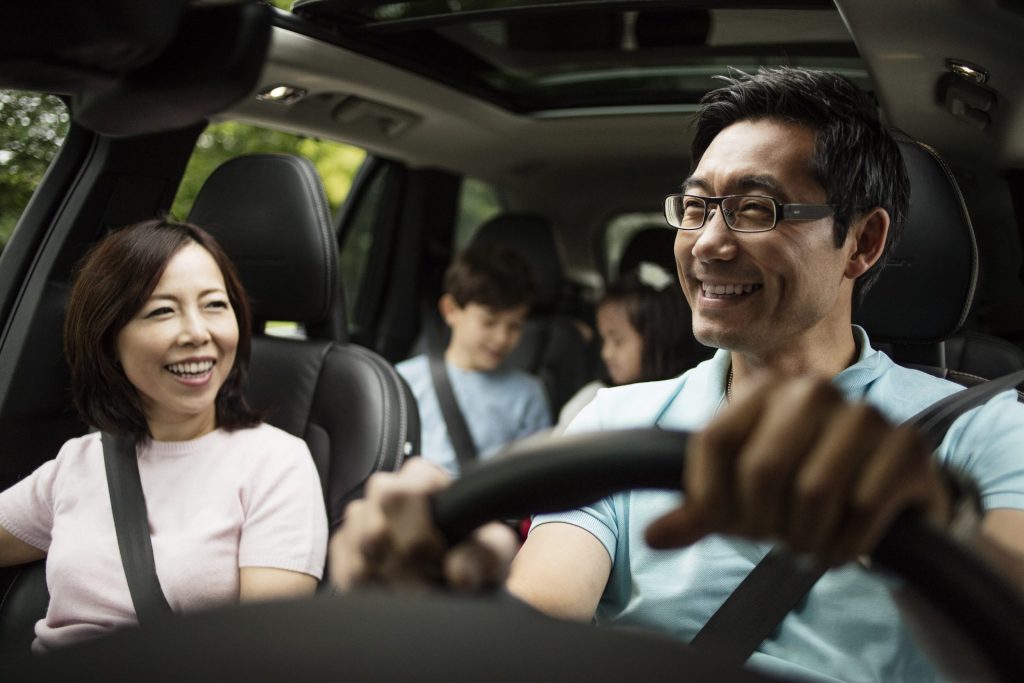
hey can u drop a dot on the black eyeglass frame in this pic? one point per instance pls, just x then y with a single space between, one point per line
783 212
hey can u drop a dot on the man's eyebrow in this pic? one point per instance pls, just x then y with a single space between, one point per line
764 183
694 182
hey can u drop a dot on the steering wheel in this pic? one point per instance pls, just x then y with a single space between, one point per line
381 636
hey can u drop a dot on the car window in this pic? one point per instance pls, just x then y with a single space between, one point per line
336 163
32 128
478 202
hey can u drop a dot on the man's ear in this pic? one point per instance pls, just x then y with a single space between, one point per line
867 237
449 308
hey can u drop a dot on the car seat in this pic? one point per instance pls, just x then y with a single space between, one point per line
652 244
355 412
917 306
552 346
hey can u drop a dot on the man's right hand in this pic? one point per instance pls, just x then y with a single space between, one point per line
388 538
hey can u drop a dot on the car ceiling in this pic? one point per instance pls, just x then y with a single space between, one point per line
625 158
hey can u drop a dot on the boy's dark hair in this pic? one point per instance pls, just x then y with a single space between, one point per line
662 319
490 275
111 284
856 159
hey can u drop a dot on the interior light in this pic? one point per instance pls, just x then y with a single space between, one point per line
282 94
971 72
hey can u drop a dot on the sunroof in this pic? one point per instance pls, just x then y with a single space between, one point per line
550 55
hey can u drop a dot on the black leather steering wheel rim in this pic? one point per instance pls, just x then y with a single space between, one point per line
576 470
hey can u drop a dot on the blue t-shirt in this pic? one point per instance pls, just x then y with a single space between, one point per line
499 407
848 628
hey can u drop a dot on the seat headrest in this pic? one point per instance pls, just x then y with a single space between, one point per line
530 235
270 214
649 245
925 291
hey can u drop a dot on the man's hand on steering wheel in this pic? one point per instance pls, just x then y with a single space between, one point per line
792 461
388 538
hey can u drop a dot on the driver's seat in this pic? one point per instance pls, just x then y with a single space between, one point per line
923 296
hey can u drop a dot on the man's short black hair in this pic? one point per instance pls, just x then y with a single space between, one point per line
490 275
856 159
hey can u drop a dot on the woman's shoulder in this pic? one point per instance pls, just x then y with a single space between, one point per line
264 437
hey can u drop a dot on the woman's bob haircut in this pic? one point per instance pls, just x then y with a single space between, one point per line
112 282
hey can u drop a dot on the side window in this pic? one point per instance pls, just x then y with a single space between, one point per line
336 163
32 128
478 202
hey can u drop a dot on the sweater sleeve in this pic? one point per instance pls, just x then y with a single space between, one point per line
285 521
26 509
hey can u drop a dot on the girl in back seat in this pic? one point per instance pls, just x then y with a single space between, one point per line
645 332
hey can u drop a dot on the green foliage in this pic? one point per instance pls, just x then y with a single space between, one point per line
336 163
32 128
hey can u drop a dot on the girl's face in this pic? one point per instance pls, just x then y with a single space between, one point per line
180 347
622 346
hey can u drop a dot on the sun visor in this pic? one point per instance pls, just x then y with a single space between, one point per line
134 68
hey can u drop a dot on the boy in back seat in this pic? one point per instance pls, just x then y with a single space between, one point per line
487 297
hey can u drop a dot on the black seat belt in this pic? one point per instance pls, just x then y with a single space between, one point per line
779 581
458 430
131 523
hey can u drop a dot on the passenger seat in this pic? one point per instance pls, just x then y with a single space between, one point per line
355 412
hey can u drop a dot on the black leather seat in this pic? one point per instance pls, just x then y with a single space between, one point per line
552 346
921 300
355 412
652 244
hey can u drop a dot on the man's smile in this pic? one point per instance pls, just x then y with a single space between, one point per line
724 290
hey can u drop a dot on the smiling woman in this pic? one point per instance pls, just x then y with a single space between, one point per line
157 335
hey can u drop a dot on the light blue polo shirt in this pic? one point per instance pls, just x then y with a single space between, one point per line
500 406
848 628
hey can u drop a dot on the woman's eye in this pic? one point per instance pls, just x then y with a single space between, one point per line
217 304
156 312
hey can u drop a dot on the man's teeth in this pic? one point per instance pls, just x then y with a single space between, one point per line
729 289
200 368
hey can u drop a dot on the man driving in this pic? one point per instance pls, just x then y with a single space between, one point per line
796 194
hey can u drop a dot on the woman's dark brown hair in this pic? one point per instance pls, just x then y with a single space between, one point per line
111 284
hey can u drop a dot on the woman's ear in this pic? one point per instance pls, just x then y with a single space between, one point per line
867 236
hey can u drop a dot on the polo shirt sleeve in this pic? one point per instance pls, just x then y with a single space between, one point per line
285 523
26 509
987 444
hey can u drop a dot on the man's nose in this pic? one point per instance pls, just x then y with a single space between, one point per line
715 241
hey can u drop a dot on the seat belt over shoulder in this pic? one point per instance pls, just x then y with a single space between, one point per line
455 422
779 581
131 524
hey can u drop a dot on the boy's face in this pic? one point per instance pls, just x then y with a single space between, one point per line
482 337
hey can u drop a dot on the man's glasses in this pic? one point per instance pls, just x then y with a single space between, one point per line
742 212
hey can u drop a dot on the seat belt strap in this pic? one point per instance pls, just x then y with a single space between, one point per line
780 581
131 523
458 430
